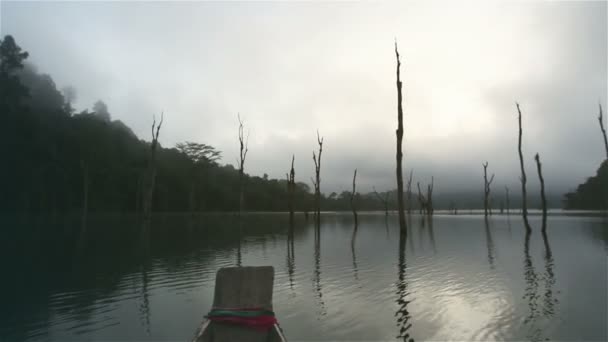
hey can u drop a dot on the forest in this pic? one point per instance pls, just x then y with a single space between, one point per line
62 160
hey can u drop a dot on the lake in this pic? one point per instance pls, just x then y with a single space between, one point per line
452 278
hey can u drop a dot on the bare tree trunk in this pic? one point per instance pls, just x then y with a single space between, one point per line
524 205
429 197
507 193
543 199
85 192
384 200
150 176
291 187
600 119
409 192
486 189
243 144
399 132
421 200
352 198
317 181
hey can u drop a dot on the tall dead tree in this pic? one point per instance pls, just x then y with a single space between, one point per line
429 197
383 200
291 189
524 204
317 180
486 189
352 198
421 200
243 144
150 174
600 118
409 192
543 199
399 132
85 192
507 198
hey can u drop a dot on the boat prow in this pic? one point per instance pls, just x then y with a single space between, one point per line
242 307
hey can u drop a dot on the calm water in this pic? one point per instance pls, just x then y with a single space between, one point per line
453 278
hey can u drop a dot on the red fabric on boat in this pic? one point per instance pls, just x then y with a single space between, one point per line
264 322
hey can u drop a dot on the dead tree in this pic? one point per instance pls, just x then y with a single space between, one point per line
399 156
600 119
421 200
524 205
150 174
382 200
409 192
429 197
85 192
543 199
243 144
507 199
317 181
291 189
352 198
486 189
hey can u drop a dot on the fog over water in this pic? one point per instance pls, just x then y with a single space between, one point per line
290 69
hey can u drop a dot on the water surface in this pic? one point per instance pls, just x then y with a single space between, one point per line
452 278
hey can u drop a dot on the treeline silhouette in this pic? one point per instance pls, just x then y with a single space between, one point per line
55 154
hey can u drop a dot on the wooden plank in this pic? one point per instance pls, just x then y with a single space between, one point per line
244 287
241 287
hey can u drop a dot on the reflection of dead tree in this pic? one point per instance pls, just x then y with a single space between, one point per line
382 200
524 205
352 197
600 119
243 144
317 181
409 192
150 175
403 315
399 132
486 188
543 199
291 188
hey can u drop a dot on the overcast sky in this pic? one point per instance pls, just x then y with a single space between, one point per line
290 69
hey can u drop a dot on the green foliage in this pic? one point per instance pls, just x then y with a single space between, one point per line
593 194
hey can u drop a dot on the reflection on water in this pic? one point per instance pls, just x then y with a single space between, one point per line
354 254
118 281
317 271
489 242
402 314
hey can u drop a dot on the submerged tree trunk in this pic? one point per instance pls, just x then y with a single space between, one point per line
150 175
409 192
291 187
399 132
507 199
524 205
543 199
243 144
85 192
384 200
429 197
600 119
352 198
486 189
317 181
